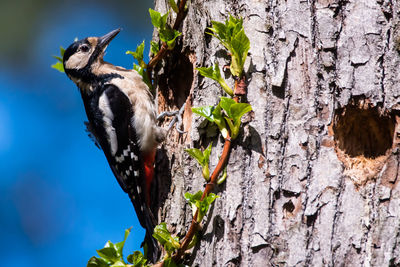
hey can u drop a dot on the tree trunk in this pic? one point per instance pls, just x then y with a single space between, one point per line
313 176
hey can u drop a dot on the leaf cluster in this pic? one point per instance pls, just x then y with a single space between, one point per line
202 158
201 205
166 33
111 256
226 112
169 242
141 66
214 73
59 64
231 34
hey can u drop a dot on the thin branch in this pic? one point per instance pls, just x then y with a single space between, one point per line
209 187
181 14
240 86
164 47
194 226
160 55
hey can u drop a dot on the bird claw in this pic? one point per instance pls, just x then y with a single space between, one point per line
177 120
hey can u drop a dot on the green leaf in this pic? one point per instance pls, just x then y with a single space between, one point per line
207 153
239 109
193 242
138 55
139 69
196 154
207 201
205 112
166 34
193 200
143 73
161 233
206 172
174 6
109 253
169 36
215 74
62 51
120 245
58 66
223 177
220 31
97 262
145 249
235 111
58 58
154 47
171 42
165 238
201 157
119 264
201 205
137 259
219 120
170 263
209 72
164 20
231 35
240 47
213 114
226 32
226 104
157 20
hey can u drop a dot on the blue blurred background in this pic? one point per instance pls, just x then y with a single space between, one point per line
59 201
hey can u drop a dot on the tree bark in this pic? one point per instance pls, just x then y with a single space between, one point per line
313 176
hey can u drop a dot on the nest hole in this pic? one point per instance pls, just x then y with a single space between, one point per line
363 131
176 82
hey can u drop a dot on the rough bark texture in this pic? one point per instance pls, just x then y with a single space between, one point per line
313 176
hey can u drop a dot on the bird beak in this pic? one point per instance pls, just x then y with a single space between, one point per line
106 39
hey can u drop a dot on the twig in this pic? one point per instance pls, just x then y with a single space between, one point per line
194 226
181 14
240 86
164 47
209 187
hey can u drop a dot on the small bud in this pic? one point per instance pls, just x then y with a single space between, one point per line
206 173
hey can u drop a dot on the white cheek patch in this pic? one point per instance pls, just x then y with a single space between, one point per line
77 61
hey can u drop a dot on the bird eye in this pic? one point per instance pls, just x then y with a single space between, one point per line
84 48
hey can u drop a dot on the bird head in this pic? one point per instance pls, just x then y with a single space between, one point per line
83 55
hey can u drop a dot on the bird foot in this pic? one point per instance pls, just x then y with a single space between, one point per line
177 118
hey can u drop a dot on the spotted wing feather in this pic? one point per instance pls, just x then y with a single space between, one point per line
111 124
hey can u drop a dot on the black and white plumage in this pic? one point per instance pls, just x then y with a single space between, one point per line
122 119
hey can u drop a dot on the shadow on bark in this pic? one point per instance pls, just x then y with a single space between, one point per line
163 179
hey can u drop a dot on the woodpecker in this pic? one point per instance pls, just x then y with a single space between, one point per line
122 119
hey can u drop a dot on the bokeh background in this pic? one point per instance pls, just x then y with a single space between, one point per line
59 201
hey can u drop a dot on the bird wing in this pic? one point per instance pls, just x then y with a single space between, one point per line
111 125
